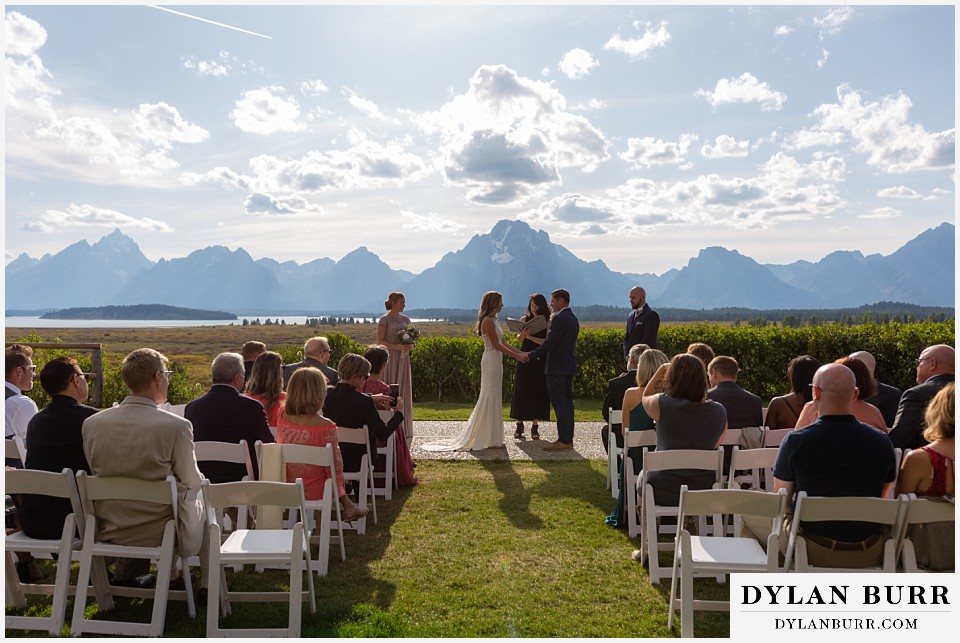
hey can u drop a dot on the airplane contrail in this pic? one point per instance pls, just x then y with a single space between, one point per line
219 24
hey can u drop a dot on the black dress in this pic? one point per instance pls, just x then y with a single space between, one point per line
530 398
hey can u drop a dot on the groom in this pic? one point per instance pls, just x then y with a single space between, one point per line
561 366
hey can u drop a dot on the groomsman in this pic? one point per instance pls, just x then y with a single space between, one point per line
561 366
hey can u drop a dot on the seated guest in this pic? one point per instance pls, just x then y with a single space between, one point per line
614 395
685 419
934 371
702 351
138 440
784 411
348 407
836 456
930 471
636 419
866 413
18 408
223 415
302 423
887 398
55 442
251 351
316 353
265 384
743 407
375 387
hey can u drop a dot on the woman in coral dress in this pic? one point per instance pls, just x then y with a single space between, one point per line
301 423
379 357
398 367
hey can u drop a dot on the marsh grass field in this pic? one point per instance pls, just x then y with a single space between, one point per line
195 346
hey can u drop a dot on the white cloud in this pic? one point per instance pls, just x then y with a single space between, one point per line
881 130
206 67
26 85
364 106
432 222
262 203
584 216
744 89
161 124
823 59
812 138
590 105
882 213
263 111
651 39
725 146
507 138
647 151
783 30
313 87
577 63
899 192
833 21
91 216
366 164
22 36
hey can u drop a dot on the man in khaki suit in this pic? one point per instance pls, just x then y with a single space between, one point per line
138 440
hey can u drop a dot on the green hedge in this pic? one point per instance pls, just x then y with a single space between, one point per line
448 368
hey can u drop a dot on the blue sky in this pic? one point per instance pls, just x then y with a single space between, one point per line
632 134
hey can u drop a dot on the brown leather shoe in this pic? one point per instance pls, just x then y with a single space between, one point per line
558 446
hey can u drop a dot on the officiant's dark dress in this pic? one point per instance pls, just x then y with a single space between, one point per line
530 398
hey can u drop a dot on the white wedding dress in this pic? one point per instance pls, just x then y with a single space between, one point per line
485 427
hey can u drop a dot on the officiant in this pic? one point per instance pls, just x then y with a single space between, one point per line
531 401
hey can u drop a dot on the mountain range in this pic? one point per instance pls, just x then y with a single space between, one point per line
512 258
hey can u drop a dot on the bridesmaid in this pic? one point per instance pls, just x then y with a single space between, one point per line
398 366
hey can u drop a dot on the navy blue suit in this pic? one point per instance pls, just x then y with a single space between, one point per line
561 366
223 415
643 324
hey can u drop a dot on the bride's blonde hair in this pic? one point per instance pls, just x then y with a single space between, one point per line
488 306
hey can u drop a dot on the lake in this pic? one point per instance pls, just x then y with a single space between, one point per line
36 322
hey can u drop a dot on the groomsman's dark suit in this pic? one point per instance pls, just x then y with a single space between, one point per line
561 366
614 399
351 409
907 429
223 415
643 324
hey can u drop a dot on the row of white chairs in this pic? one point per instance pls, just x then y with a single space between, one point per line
719 553
266 544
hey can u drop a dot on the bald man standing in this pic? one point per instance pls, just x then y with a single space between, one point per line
837 456
643 322
934 371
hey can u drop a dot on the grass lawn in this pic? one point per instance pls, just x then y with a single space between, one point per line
583 411
478 549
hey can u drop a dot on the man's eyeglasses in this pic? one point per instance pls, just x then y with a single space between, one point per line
87 376
920 360
31 367
167 373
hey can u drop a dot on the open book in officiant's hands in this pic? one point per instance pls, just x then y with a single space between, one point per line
533 325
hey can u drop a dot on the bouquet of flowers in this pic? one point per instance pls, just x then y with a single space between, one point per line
408 335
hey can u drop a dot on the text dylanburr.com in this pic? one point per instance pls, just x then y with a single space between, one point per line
854 606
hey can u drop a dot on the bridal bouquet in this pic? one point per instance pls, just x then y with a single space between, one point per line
408 335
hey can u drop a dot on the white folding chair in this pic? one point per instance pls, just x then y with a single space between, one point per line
289 548
16 450
922 511
892 486
94 489
178 409
389 474
764 411
882 511
67 548
634 439
758 465
232 453
613 451
363 477
731 437
773 437
327 505
650 547
720 553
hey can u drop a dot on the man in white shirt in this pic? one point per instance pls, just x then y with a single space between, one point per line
19 378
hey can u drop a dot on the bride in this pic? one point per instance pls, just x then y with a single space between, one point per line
485 427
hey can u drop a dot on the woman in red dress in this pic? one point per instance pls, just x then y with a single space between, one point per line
379 356
301 423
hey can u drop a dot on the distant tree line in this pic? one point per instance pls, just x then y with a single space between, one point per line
137 311
884 312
